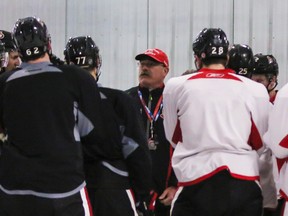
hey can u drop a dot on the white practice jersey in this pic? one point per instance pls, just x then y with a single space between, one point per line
277 136
215 119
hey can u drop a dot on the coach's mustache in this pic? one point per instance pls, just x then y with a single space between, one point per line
145 73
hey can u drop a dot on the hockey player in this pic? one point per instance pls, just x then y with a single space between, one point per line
215 119
48 113
112 192
276 139
10 47
266 72
241 60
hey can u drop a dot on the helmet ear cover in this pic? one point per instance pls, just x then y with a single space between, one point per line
32 38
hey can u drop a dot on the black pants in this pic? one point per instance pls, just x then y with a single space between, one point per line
114 202
161 210
277 211
220 195
28 205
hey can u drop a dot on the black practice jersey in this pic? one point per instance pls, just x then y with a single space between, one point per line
134 170
46 112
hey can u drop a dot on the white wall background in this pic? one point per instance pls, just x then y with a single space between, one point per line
124 28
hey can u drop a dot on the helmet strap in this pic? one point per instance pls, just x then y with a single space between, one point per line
271 81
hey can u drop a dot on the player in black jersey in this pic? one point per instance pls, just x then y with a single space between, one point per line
122 183
11 49
48 113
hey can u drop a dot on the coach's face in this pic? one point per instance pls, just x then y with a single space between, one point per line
152 73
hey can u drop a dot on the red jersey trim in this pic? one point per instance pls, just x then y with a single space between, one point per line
177 135
226 70
206 73
255 140
219 169
169 171
280 163
284 142
283 194
88 201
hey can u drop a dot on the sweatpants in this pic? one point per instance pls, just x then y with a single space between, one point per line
220 195
29 205
116 202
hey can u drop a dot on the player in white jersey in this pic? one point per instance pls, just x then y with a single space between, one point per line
276 139
215 119
241 60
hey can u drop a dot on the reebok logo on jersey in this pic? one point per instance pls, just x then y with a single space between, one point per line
215 75
211 75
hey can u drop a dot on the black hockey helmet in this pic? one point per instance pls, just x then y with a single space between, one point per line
241 60
211 43
31 37
265 64
7 40
82 51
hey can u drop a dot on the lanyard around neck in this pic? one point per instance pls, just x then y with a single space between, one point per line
151 116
